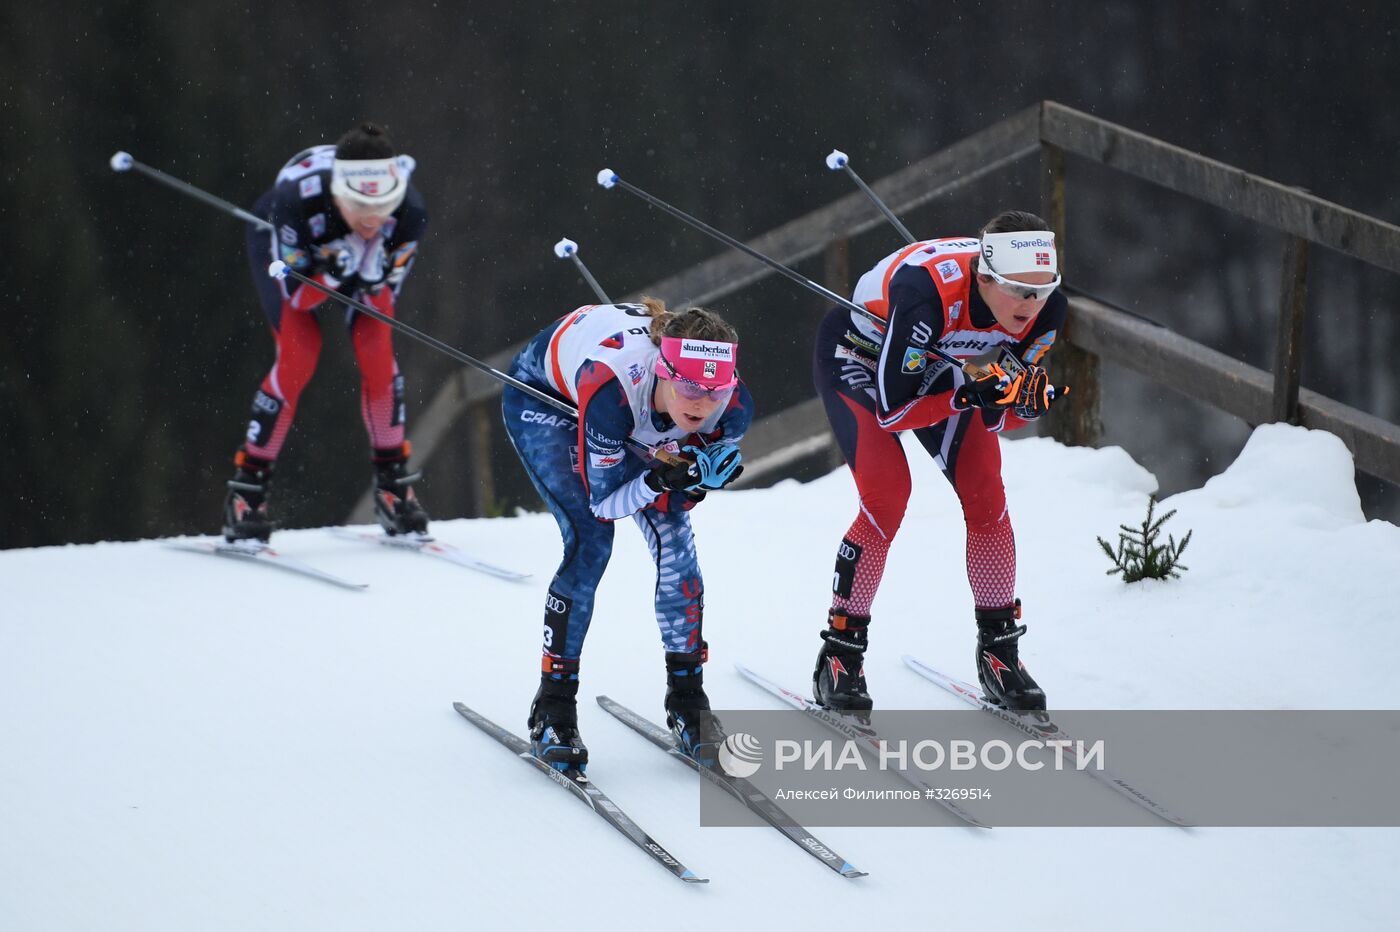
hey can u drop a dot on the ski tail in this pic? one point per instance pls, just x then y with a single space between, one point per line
261 553
1039 725
431 547
742 790
585 792
859 732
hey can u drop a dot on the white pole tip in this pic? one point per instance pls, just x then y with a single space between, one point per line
565 248
121 161
607 178
837 160
277 270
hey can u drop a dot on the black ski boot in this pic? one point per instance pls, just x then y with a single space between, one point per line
838 683
395 505
688 712
553 723
1004 678
245 505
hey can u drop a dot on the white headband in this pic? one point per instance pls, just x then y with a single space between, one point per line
1020 252
378 183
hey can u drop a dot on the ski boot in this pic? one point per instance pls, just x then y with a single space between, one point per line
838 683
245 505
553 723
688 712
395 505
1004 678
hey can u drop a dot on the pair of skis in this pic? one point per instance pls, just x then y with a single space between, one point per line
258 552
586 792
1036 725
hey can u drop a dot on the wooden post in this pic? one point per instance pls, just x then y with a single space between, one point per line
1074 419
1288 350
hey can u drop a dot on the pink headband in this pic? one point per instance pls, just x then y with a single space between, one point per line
709 363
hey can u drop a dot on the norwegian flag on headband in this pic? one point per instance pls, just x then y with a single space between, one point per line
1042 258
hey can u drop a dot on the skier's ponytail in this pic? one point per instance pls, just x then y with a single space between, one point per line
695 322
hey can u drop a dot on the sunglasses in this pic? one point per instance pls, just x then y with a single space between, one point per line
1020 290
692 390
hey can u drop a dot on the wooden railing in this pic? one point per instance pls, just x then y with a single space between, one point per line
1052 131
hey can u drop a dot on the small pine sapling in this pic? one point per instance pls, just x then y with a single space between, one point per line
1139 556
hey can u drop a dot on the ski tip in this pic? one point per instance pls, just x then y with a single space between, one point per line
690 877
848 871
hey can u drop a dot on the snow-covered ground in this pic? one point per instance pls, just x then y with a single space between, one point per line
193 743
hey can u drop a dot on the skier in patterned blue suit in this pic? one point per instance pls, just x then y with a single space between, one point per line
642 378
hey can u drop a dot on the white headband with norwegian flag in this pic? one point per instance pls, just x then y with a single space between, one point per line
1020 252
380 183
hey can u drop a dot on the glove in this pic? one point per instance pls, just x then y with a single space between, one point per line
398 263
1037 394
995 391
714 467
345 255
719 464
677 502
355 257
673 477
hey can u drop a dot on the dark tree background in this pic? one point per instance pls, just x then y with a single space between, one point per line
134 342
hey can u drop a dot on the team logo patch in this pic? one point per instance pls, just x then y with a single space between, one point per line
296 258
287 235
711 368
915 360
612 342
310 186
603 460
317 224
636 373
949 271
1042 258
955 310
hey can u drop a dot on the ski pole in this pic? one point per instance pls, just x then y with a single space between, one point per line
123 162
610 179
568 249
838 161
280 271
